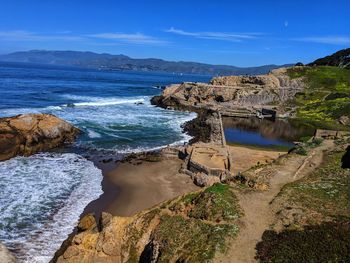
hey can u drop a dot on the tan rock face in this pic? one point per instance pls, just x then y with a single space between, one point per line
234 91
30 133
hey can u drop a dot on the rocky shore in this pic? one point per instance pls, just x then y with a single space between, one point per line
159 215
238 96
31 133
206 161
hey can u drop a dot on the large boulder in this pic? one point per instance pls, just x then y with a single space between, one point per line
27 134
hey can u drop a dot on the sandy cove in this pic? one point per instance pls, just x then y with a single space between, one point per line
132 187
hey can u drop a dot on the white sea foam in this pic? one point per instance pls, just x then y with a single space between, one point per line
100 101
41 199
108 102
92 134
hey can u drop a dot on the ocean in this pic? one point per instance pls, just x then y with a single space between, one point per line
42 196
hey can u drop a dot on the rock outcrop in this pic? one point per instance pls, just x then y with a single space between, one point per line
178 230
232 92
31 133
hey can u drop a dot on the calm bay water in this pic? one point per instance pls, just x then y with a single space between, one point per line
42 196
278 134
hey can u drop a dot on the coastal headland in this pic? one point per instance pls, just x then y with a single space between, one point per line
210 201
238 205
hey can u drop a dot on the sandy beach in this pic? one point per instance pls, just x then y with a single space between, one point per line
130 188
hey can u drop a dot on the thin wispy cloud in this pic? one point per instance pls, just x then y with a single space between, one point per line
223 51
333 40
224 36
21 35
137 38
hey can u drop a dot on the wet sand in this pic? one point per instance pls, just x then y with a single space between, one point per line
129 188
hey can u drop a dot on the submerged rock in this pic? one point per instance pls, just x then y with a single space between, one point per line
27 134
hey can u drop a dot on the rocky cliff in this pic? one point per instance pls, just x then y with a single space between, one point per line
232 92
30 133
191 228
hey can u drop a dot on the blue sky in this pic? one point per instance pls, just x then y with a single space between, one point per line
240 33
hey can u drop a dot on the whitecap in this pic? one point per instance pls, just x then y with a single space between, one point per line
108 102
92 134
41 199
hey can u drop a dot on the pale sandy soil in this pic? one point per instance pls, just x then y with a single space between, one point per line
145 185
243 158
258 213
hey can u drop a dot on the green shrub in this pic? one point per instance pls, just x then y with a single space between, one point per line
300 150
326 96
328 242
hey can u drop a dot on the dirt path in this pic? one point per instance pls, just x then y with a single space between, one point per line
258 215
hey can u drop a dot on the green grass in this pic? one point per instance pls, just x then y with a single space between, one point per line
326 190
326 97
191 240
216 203
192 228
324 198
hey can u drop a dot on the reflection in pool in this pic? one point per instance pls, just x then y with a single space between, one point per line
264 133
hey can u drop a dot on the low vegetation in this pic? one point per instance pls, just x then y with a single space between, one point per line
326 97
322 232
328 242
304 147
326 190
192 228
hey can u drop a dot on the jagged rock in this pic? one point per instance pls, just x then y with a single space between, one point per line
105 220
204 180
71 252
87 222
231 92
27 134
6 256
345 120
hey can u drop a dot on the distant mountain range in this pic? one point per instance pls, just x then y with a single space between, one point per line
338 59
122 62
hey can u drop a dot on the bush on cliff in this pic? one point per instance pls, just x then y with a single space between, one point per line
326 97
327 242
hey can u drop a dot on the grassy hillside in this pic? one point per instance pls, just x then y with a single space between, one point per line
324 199
192 228
338 59
326 97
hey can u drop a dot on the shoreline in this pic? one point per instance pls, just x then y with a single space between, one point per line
126 184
